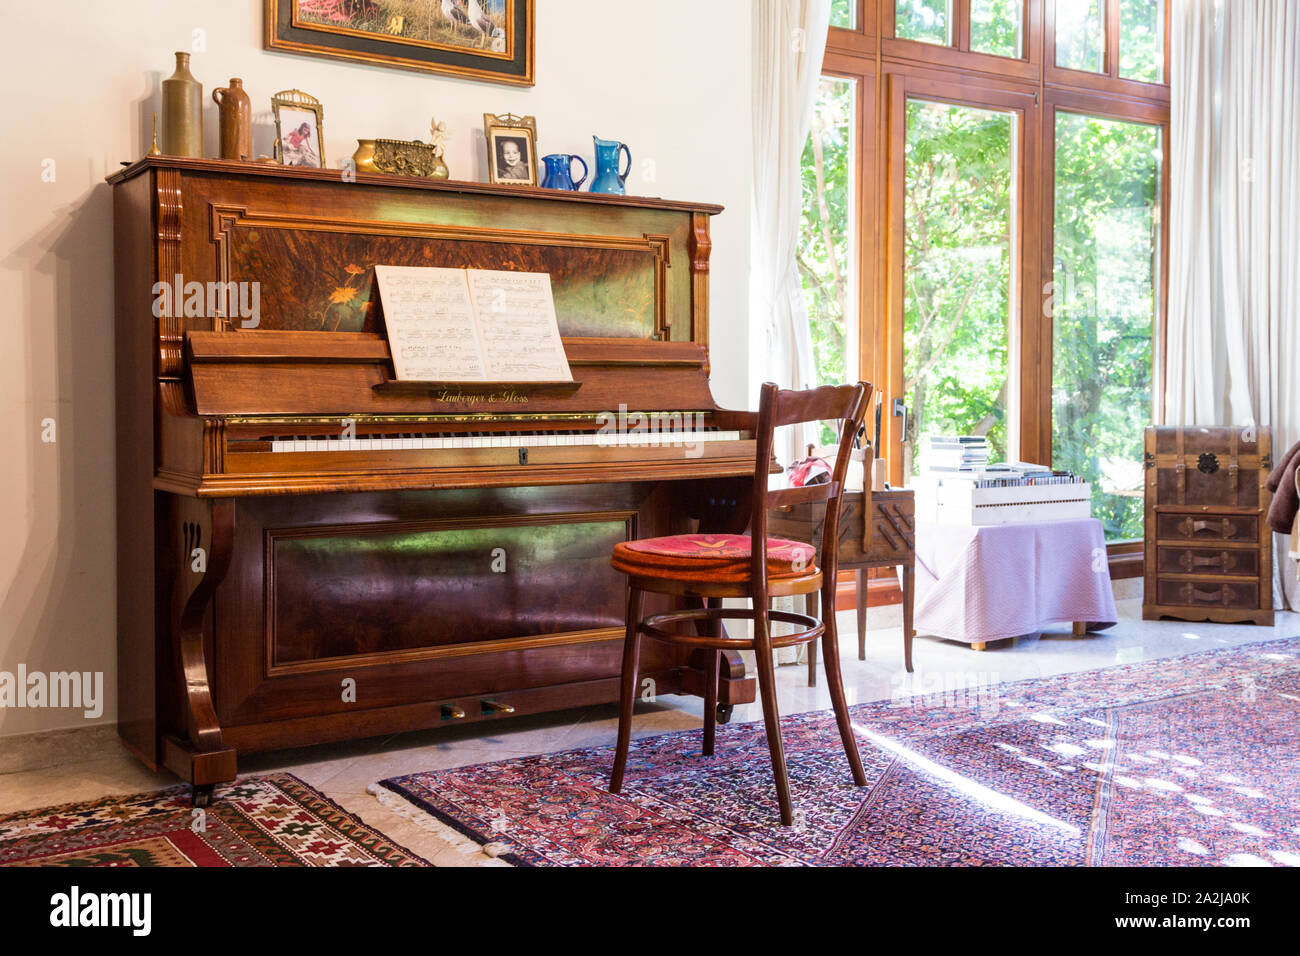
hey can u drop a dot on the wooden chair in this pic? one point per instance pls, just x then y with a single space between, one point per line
705 568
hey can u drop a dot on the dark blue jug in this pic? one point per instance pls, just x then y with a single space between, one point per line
559 172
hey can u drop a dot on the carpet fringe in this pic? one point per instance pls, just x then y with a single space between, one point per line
454 838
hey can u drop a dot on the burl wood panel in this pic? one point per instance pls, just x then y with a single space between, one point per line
314 280
439 583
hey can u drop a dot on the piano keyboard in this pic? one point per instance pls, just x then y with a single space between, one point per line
656 439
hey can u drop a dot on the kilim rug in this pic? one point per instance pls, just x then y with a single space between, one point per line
1182 761
272 820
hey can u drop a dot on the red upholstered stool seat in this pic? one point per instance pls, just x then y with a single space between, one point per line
710 557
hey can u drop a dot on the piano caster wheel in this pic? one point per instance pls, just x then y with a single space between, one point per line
724 713
201 796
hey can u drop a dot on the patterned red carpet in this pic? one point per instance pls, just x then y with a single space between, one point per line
1182 761
273 820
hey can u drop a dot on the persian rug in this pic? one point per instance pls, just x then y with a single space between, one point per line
1181 761
271 820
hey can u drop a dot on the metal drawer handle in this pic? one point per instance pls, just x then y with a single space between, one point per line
1222 560
1189 527
1192 593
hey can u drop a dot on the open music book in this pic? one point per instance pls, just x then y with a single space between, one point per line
471 325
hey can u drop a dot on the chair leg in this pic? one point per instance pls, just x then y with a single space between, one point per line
834 683
909 632
771 717
861 603
711 676
810 608
627 688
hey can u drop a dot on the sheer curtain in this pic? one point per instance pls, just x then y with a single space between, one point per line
789 44
1234 228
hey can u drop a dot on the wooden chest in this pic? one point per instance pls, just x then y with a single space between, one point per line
892 531
1208 549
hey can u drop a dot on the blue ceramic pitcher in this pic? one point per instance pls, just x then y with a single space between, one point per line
559 172
608 179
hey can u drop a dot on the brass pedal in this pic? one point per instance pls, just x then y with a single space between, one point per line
492 707
452 712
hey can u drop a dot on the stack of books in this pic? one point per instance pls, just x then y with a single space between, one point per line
955 454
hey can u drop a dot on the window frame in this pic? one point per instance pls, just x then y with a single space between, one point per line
887 68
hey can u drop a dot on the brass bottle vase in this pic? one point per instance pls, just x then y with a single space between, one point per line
182 108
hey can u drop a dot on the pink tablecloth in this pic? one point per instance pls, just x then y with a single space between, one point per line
985 584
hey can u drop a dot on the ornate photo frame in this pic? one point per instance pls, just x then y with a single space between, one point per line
511 143
296 111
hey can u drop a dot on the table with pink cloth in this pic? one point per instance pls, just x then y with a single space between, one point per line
978 584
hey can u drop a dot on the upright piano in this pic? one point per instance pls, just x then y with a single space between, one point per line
309 551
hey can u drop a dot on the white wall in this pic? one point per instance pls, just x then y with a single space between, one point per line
670 78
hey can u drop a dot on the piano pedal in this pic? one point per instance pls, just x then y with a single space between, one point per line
452 712
492 708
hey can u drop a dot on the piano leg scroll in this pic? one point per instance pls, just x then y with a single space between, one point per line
206 536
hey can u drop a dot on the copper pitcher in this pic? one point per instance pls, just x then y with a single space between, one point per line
235 114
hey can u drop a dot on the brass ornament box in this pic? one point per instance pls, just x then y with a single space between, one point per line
1208 549
413 158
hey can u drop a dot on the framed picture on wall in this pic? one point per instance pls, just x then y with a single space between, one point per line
488 40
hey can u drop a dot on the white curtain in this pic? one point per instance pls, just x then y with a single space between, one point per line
1234 228
789 44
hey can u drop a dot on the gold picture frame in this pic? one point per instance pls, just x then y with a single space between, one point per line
511 149
488 40
297 149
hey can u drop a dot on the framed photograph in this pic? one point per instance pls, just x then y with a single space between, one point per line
488 40
511 148
299 139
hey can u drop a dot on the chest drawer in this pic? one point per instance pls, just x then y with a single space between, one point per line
893 527
1243 561
1207 594
1207 527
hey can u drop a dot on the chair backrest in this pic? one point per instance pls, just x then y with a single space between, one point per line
778 407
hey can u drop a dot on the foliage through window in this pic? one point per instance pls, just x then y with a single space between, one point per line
1142 40
957 274
825 256
1103 307
826 245
925 20
996 27
1081 34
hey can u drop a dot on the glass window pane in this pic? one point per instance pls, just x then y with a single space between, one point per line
1081 35
927 20
1103 308
827 256
844 13
995 27
1142 40
957 281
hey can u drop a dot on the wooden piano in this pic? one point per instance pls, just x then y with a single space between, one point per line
307 551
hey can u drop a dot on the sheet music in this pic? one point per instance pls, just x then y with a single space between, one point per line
432 333
517 328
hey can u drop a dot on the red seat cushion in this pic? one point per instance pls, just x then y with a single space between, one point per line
710 557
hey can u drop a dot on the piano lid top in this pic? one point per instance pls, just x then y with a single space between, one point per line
300 173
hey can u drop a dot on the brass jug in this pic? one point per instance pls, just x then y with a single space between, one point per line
182 107
235 113
364 158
